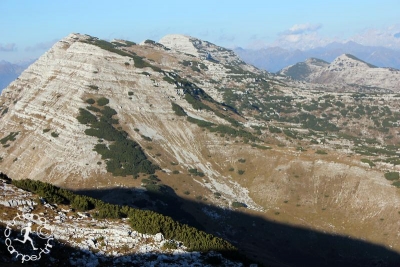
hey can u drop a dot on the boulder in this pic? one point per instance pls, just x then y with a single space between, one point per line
159 237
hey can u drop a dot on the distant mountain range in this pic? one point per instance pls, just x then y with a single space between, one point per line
274 59
346 70
10 71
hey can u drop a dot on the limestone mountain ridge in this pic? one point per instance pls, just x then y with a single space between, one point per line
183 119
346 70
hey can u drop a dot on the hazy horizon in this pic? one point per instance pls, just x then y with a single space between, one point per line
36 26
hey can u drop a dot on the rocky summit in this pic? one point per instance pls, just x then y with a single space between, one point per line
346 71
181 141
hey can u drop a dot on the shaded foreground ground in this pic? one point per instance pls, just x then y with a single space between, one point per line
265 241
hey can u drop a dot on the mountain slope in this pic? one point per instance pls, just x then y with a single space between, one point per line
142 97
80 235
302 70
345 69
198 134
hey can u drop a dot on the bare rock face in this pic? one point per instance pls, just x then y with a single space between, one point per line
44 102
345 70
203 49
180 43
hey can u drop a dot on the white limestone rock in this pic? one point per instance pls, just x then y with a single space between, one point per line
159 237
348 71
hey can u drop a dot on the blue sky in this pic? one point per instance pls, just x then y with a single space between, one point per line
29 28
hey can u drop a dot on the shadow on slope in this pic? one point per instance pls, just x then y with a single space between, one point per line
269 242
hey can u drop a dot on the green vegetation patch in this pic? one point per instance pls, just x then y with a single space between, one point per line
102 101
261 146
273 129
169 80
311 122
396 184
195 100
217 195
290 133
143 221
178 109
10 137
236 204
90 101
93 87
392 176
223 129
122 155
298 71
114 48
86 117
369 162
374 151
152 184
4 111
195 172
146 138
169 245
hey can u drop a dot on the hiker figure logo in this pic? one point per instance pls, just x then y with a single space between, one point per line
34 237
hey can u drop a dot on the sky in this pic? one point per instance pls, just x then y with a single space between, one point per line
29 28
